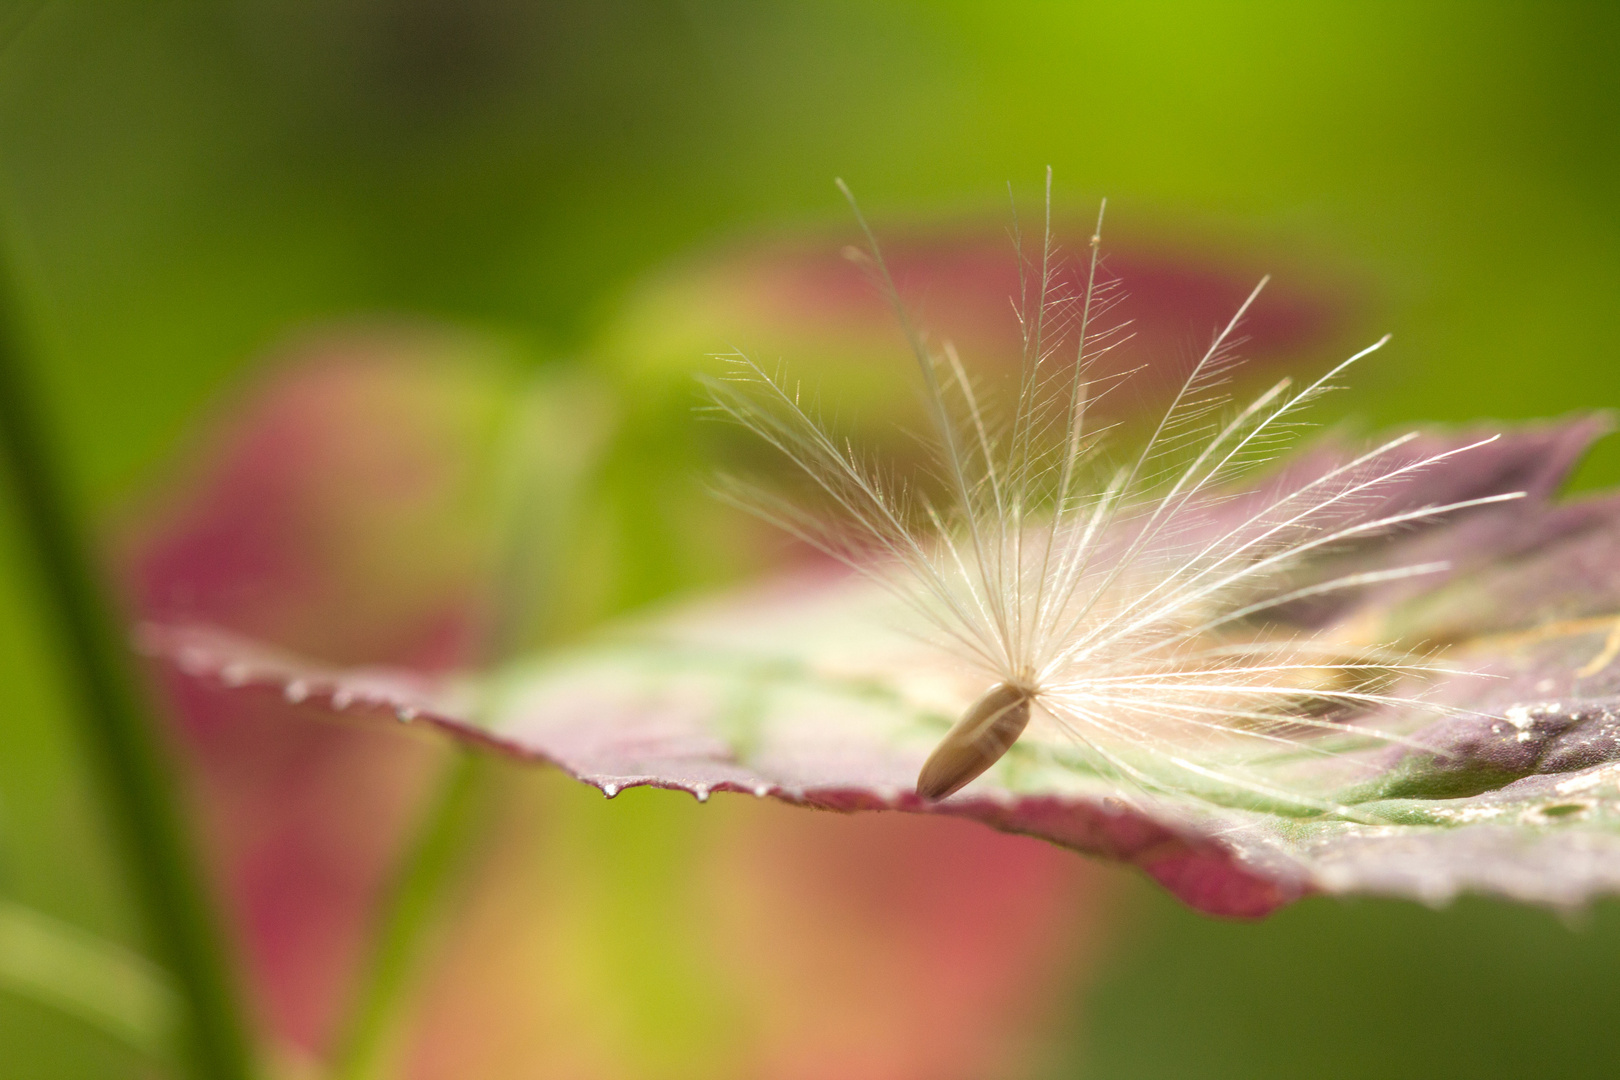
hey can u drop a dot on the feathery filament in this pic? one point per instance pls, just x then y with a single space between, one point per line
1136 609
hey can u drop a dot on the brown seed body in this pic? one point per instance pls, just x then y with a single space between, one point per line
976 742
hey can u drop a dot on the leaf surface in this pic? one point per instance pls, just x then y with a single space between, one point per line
803 690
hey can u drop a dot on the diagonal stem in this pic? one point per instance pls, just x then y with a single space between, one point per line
409 909
129 763
412 902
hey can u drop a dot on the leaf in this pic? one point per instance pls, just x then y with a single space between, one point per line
106 985
801 691
799 296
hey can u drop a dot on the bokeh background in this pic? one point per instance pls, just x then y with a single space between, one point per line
196 193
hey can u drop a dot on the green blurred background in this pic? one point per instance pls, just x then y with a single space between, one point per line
186 184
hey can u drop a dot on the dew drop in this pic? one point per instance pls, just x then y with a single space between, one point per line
701 791
341 699
406 714
296 691
610 790
234 674
761 790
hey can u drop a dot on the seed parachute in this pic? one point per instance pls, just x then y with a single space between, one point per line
1144 607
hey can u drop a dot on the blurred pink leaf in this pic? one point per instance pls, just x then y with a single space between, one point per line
746 939
801 297
344 509
340 508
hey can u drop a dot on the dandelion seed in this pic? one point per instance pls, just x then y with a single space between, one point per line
1142 609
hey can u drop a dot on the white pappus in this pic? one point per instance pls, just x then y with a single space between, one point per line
1123 601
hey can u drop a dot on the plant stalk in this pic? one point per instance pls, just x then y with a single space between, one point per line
530 486
520 472
129 763
426 869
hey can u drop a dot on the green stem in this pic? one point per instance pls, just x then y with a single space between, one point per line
518 474
133 772
412 903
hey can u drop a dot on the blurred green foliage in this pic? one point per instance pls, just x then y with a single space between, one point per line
185 184
1334 990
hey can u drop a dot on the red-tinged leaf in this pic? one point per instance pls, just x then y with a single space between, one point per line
804 692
